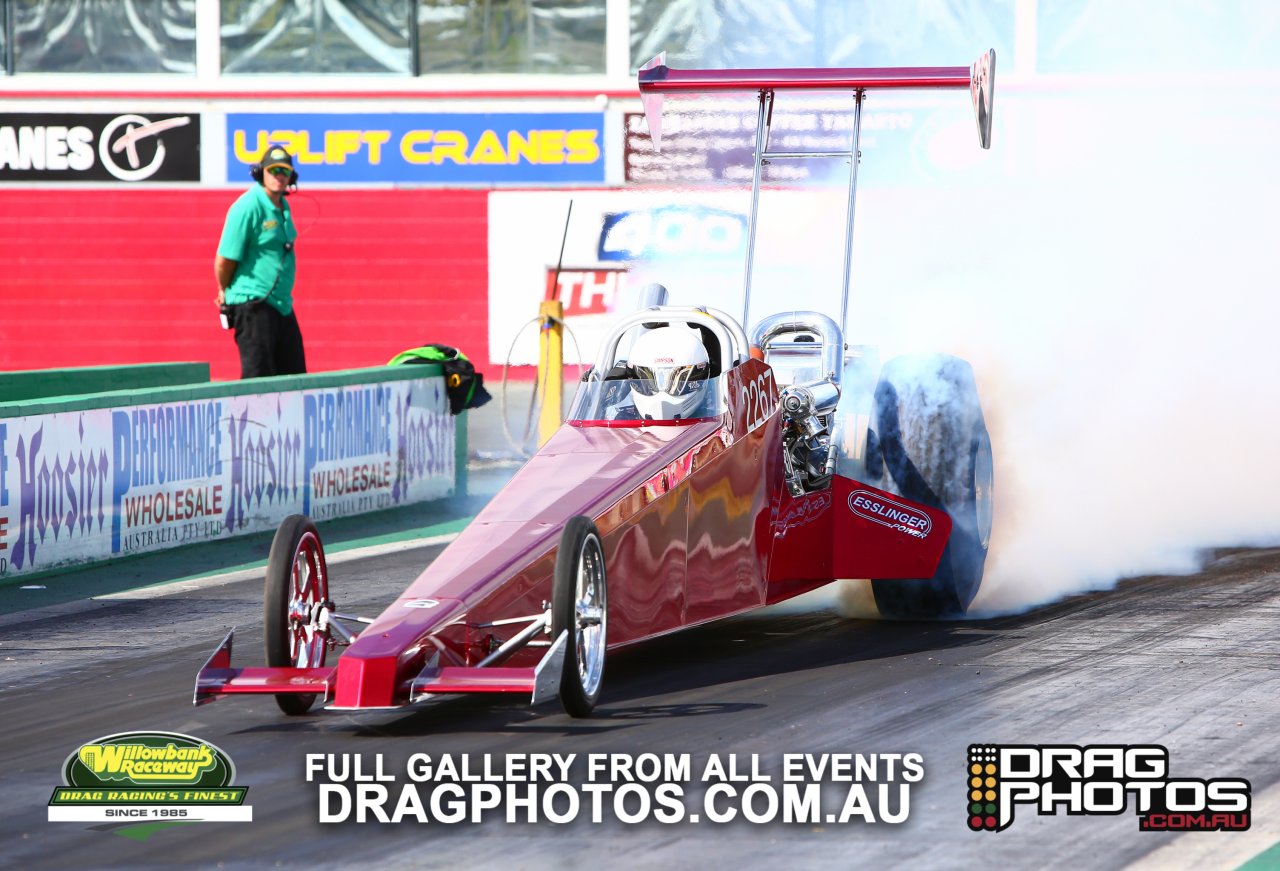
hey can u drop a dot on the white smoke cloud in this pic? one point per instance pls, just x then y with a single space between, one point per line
1107 270
1112 291
1106 267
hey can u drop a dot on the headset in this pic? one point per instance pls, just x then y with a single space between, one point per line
258 169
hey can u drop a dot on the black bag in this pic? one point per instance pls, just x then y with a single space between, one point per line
462 383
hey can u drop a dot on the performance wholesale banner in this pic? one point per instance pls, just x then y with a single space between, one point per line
88 485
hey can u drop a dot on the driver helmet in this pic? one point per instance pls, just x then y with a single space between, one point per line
671 369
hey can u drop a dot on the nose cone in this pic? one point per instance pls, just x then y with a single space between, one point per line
379 666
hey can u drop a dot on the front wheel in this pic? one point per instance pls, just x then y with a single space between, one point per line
297 588
580 606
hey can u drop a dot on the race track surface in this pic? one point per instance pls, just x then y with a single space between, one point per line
1187 662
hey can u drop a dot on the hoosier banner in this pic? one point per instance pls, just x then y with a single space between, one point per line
87 485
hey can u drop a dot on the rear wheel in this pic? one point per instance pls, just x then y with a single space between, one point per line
936 451
297 588
579 605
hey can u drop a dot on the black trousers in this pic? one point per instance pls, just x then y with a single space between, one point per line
270 343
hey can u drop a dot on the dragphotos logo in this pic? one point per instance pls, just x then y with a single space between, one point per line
1099 779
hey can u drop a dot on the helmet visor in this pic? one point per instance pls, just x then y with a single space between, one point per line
671 380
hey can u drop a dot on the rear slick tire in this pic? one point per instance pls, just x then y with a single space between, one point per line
580 606
937 452
297 584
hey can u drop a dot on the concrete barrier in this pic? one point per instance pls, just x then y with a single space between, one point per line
51 383
85 478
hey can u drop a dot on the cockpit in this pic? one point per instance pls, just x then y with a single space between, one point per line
661 365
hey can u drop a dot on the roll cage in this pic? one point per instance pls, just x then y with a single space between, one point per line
608 380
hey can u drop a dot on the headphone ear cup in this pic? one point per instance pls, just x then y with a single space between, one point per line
293 177
256 172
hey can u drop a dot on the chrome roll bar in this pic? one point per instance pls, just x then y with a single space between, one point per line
732 339
809 322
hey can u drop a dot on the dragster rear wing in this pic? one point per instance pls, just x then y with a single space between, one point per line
657 79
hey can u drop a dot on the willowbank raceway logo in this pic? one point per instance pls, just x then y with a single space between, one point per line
1098 780
149 777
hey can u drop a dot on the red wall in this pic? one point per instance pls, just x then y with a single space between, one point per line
110 277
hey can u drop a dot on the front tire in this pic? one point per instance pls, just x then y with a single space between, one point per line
580 606
936 451
297 586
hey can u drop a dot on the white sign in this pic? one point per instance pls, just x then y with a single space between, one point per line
694 243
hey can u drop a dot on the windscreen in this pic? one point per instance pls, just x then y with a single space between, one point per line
628 399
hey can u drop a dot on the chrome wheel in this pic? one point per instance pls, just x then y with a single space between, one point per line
984 477
308 591
580 610
294 598
590 615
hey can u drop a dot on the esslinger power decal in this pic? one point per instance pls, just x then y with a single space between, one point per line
889 513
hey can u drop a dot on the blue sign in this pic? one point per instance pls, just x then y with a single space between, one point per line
672 231
452 148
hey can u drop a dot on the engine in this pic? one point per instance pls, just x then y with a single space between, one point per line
809 367
806 442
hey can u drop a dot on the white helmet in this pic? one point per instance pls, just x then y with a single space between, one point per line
671 366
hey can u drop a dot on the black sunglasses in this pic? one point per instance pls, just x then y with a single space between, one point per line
280 171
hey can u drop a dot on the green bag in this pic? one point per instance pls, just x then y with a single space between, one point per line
462 383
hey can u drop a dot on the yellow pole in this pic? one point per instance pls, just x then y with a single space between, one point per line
550 367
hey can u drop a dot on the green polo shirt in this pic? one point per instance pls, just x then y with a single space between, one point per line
254 236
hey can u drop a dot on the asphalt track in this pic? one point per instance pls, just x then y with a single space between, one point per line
1192 663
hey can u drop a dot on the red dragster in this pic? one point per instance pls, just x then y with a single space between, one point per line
701 473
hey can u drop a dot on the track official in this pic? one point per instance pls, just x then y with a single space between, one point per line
255 267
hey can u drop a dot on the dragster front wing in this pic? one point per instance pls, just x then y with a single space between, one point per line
541 682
